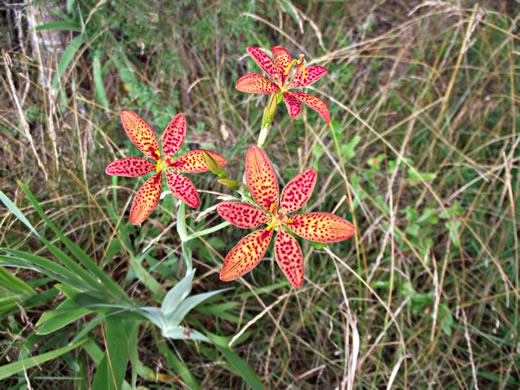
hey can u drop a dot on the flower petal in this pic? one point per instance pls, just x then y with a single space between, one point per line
242 215
298 191
294 107
321 227
289 257
256 83
246 254
312 74
141 134
146 199
193 161
315 103
182 188
261 179
264 62
174 135
130 167
282 59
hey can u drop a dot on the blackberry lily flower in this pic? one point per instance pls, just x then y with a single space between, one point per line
143 137
279 72
317 226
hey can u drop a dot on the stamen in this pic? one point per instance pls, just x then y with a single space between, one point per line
158 154
289 220
271 209
290 66
271 225
158 166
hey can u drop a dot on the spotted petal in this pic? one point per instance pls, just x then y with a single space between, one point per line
242 215
193 161
182 188
312 74
289 257
141 134
130 167
261 179
146 199
282 59
298 191
256 83
315 103
264 62
321 227
246 254
174 135
294 107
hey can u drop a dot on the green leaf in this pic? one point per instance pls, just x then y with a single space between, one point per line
98 81
62 25
66 59
16 212
105 282
181 333
347 150
415 177
175 318
25 364
177 294
145 277
241 367
111 370
66 312
11 284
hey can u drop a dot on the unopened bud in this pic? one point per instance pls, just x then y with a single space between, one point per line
230 183
212 164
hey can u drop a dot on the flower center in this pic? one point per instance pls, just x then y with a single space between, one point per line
277 219
300 68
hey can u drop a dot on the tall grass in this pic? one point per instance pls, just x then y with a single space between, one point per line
422 155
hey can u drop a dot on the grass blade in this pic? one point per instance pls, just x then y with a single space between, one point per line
22 365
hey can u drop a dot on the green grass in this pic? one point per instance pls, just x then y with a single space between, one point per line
422 156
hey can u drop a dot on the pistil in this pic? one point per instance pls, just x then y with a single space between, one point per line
300 66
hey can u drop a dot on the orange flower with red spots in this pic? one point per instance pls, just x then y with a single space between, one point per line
143 137
274 211
283 82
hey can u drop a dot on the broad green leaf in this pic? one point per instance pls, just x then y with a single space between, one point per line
181 333
98 81
177 294
9 283
25 364
62 25
240 365
66 58
66 312
111 371
175 318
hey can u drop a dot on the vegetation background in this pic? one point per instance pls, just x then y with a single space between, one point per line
422 155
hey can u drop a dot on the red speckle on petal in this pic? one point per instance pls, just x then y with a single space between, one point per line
289 257
242 215
298 191
246 254
130 167
321 227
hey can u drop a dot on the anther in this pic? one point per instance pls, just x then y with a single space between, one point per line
271 225
271 209
290 66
